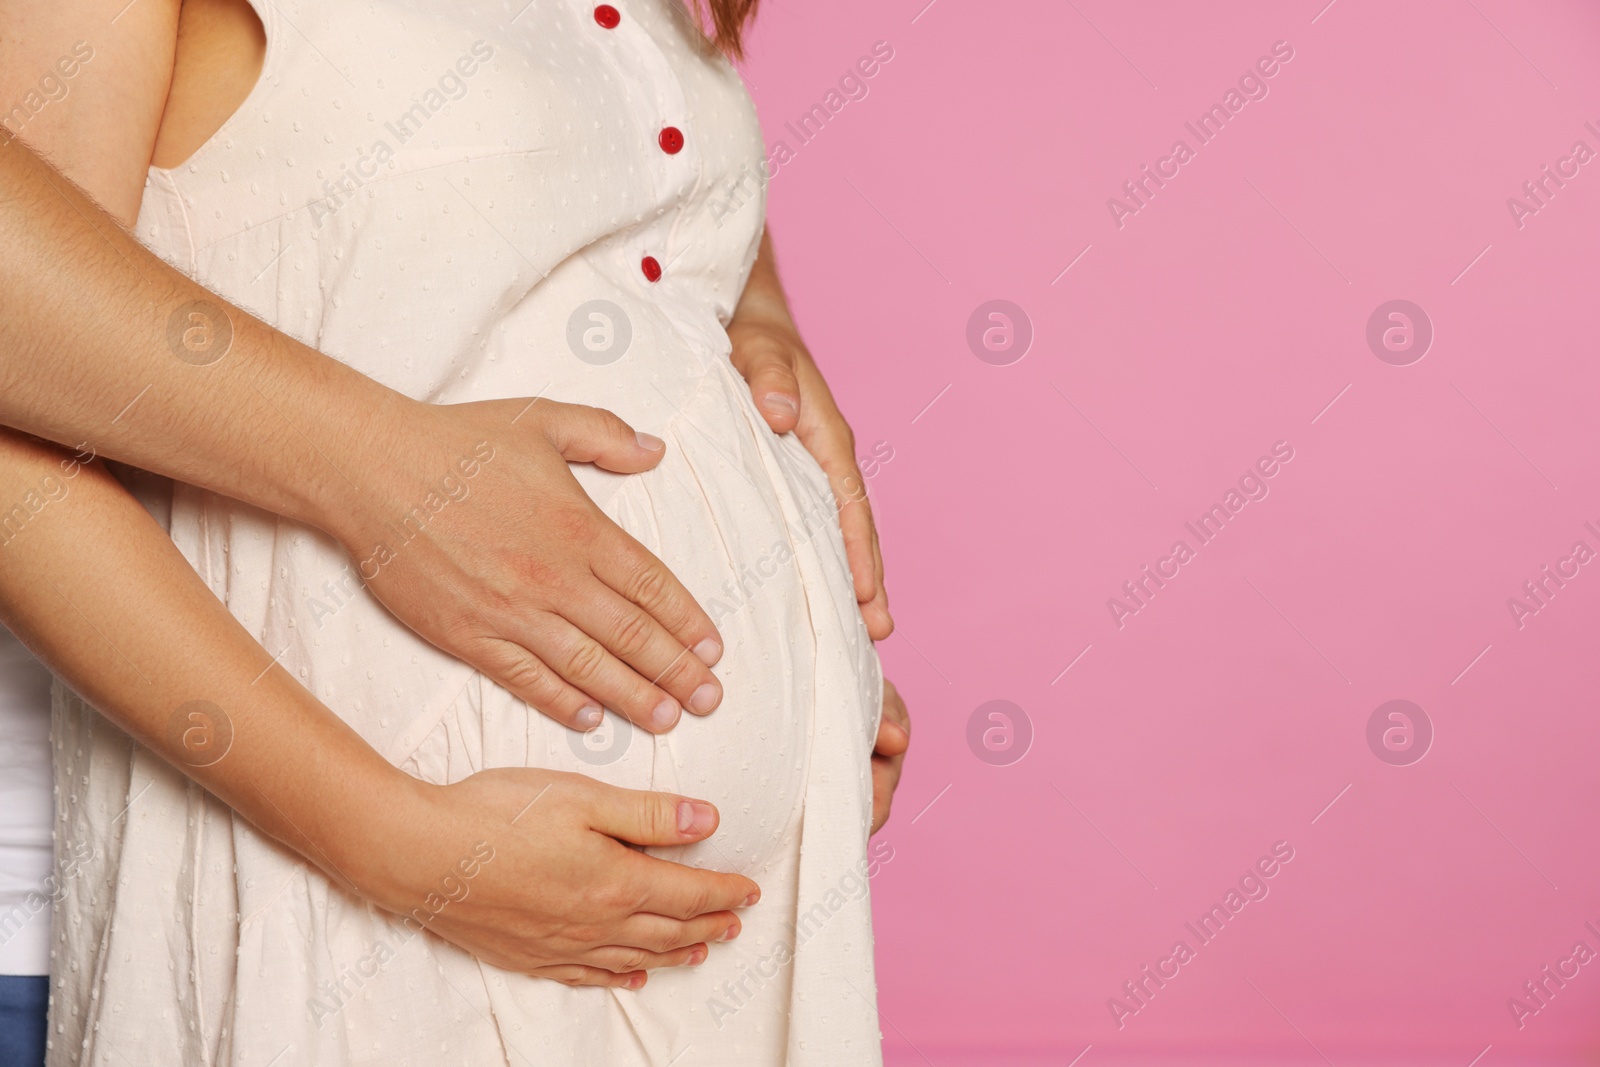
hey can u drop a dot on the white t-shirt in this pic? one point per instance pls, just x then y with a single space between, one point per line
26 853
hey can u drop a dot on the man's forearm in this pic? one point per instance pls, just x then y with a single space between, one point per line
98 591
102 342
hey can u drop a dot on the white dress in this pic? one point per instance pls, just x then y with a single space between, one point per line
435 193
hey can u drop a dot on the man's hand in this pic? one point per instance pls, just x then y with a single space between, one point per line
550 598
792 395
531 870
525 580
525 868
889 754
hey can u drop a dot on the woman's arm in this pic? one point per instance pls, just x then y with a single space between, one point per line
86 80
103 344
790 391
792 395
97 590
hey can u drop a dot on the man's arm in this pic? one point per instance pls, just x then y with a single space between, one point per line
102 343
98 591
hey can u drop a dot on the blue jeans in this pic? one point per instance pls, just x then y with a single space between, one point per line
23 999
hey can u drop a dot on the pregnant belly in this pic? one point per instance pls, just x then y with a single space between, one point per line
747 523
749 757
745 520
744 528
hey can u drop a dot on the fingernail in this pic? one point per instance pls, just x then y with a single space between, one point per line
650 442
697 957
694 817
665 714
708 652
705 698
730 933
779 404
634 981
751 899
590 716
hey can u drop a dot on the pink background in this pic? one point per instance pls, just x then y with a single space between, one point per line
1223 317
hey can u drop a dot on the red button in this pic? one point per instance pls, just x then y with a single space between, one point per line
607 16
652 269
671 140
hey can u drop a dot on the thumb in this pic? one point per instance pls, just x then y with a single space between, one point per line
645 818
593 435
893 739
769 370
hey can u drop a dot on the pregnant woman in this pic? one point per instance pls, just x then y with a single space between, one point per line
470 203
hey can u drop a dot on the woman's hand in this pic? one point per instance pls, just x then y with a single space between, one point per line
889 754
792 395
528 870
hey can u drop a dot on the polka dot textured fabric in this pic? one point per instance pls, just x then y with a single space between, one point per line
476 201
